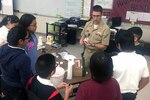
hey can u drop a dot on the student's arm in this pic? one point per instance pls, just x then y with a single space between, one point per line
24 69
68 91
143 82
145 75
61 85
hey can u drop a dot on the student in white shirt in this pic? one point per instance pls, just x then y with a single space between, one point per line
130 68
6 24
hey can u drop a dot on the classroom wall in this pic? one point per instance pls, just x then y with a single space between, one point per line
41 21
41 26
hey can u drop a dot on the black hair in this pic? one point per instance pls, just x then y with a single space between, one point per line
15 34
101 66
45 64
136 31
11 18
125 39
97 8
26 20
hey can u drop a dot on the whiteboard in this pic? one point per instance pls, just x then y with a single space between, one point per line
7 7
106 4
55 8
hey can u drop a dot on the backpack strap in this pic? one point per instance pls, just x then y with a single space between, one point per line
53 94
30 81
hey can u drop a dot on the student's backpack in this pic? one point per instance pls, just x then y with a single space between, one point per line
32 95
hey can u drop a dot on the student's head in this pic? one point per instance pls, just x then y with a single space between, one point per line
29 22
101 67
18 36
137 32
97 13
10 21
125 41
45 65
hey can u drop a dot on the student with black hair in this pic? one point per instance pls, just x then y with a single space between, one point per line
6 24
101 86
29 22
130 69
40 87
15 65
137 32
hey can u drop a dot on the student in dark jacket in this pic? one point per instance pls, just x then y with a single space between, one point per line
15 65
40 87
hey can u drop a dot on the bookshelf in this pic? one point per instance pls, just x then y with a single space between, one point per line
58 32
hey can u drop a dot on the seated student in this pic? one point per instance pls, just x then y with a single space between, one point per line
40 87
137 32
15 65
130 69
6 24
101 86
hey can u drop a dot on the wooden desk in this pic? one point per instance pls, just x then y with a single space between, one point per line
75 79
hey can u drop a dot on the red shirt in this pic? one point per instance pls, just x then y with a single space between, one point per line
91 90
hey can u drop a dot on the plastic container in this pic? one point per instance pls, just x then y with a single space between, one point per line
58 76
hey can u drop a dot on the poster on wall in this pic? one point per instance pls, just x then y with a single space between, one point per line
86 8
121 8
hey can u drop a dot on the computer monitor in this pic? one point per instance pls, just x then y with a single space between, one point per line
116 21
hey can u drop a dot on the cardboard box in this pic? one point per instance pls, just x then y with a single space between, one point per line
77 68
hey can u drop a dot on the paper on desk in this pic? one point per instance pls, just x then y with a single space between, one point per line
62 54
69 57
40 47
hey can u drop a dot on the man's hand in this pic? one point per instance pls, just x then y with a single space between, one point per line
89 45
81 41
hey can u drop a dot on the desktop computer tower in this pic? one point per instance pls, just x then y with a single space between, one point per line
71 35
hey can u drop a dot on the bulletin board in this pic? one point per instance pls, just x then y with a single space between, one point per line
6 7
55 8
137 11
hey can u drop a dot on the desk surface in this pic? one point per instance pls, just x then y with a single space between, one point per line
75 79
